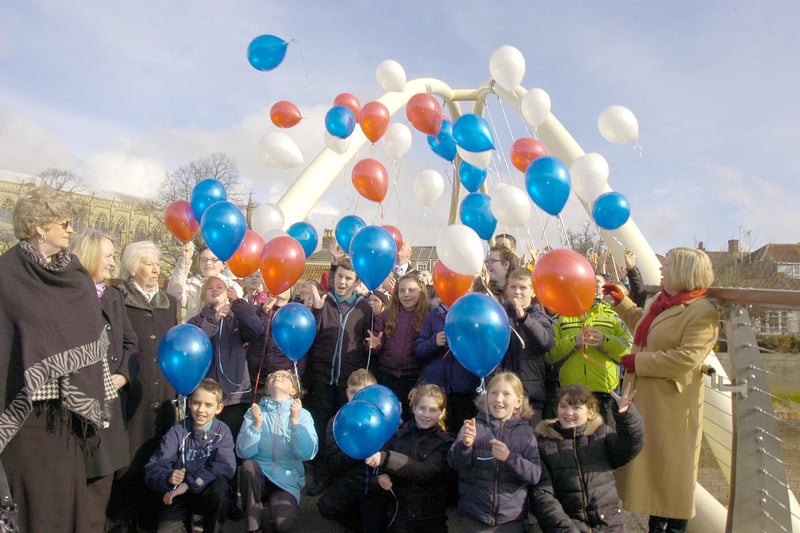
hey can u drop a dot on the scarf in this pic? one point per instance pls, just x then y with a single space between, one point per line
663 302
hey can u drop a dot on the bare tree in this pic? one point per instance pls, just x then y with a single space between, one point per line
585 240
59 179
179 183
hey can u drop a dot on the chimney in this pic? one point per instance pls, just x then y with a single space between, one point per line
700 246
328 237
733 246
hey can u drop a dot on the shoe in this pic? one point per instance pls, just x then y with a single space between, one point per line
319 487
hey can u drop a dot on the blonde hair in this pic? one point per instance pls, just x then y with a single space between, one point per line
86 246
525 410
210 385
435 392
132 256
361 378
40 206
296 384
206 283
690 269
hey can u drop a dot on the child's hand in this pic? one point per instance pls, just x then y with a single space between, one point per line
316 300
374 341
171 495
630 259
374 460
187 251
468 432
412 394
177 476
441 339
258 416
624 401
223 311
294 411
231 292
499 450
385 482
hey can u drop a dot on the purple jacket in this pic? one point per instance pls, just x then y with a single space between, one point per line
443 369
491 491
395 355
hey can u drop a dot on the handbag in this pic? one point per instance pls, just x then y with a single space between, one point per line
8 509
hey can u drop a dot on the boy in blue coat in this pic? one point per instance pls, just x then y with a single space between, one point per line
194 463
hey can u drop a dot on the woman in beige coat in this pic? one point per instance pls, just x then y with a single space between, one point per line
672 339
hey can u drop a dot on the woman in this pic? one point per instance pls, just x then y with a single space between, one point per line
52 385
672 339
96 252
150 411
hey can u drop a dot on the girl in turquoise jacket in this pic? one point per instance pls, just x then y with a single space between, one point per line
276 437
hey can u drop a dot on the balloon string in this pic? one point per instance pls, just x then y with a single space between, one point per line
264 357
371 329
296 373
381 206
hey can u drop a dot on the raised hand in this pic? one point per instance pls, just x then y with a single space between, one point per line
468 432
294 411
624 401
374 341
258 416
316 300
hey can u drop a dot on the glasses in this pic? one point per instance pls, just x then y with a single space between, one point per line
492 260
212 260
66 224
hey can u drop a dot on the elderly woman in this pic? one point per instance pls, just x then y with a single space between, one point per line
150 411
52 347
96 252
672 338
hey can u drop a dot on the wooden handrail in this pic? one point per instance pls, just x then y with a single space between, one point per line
749 296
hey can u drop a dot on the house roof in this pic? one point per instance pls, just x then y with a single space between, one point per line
777 253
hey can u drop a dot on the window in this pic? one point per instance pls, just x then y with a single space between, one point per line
7 212
101 224
141 232
119 230
790 269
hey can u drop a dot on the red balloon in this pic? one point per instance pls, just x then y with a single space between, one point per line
371 179
374 120
284 114
396 235
247 257
282 263
350 102
525 150
449 285
564 282
180 220
425 113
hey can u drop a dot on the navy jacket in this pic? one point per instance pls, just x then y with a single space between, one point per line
531 337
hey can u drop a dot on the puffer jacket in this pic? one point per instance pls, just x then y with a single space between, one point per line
491 491
279 447
577 491
416 460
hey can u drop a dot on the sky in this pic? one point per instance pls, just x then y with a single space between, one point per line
122 93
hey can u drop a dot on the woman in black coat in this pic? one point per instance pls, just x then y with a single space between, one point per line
150 411
96 252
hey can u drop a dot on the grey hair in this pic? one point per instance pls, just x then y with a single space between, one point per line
133 254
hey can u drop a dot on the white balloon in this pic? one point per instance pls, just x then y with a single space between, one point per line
511 206
535 107
336 144
266 217
397 140
618 124
271 234
589 175
507 66
476 159
278 150
428 186
391 75
460 249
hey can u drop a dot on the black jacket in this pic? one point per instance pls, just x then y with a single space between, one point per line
531 337
577 491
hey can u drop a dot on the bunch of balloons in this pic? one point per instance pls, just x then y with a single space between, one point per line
363 425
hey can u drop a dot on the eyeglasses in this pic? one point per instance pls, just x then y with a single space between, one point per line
492 260
66 224
212 260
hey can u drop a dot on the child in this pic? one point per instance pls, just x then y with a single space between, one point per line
194 463
413 464
395 332
342 499
579 454
497 458
275 439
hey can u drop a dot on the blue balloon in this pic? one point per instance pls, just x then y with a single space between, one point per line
206 192
340 121
387 402
294 329
471 177
223 228
184 355
477 332
306 235
443 144
347 226
548 183
476 212
373 252
472 133
359 429
611 210
266 52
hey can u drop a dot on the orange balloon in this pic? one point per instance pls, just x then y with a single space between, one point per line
449 285
564 282
425 113
282 263
371 179
180 220
374 120
350 102
247 257
525 150
284 114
